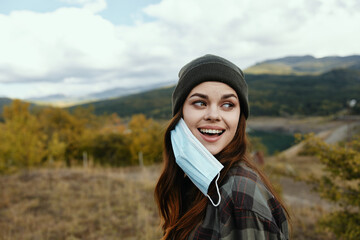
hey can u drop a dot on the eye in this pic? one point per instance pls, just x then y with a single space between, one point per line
199 103
228 105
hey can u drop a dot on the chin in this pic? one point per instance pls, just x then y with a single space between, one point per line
214 151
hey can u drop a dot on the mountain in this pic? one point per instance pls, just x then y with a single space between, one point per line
283 95
269 95
154 103
49 98
122 91
304 65
57 100
66 101
114 92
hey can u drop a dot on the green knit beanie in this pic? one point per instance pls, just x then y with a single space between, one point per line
210 68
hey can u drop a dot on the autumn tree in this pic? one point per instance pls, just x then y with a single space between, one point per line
64 132
86 117
4 164
111 149
109 146
145 139
56 148
22 142
340 184
73 135
55 135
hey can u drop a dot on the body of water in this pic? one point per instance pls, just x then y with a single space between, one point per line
274 141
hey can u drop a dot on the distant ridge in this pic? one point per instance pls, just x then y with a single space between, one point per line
62 100
125 91
49 97
304 65
153 103
307 90
269 95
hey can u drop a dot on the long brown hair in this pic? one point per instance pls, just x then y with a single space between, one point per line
176 223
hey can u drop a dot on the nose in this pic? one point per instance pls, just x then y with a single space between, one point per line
212 114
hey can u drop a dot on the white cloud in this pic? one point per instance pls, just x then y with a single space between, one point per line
38 45
262 29
73 49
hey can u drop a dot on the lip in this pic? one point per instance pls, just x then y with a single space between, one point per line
212 138
211 127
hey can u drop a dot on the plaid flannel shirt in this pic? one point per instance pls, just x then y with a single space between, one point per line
247 211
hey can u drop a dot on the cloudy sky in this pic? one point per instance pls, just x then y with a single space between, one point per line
77 47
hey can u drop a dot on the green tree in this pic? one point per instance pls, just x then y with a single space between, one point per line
340 183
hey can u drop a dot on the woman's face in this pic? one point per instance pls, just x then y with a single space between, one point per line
212 112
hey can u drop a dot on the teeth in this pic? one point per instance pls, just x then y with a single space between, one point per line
211 131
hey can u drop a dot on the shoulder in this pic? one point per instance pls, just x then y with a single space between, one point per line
247 210
243 190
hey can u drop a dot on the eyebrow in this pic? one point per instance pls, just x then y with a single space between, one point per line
206 97
199 95
228 96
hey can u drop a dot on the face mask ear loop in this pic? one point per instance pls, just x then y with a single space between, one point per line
217 189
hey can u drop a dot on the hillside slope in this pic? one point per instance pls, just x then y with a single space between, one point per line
269 95
154 104
304 65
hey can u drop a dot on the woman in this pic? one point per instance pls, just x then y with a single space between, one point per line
208 188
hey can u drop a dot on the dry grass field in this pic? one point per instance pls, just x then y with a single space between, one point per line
305 205
79 204
87 203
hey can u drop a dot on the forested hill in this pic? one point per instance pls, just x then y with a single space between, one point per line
329 93
269 95
155 103
304 65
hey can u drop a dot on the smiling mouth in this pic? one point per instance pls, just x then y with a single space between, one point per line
211 132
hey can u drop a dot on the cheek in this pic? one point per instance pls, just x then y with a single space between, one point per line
233 121
233 125
189 116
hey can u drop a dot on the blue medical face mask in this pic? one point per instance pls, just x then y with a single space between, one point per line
194 159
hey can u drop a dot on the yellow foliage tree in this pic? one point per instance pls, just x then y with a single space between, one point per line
3 149
146 139
23 144
64 132
56 148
